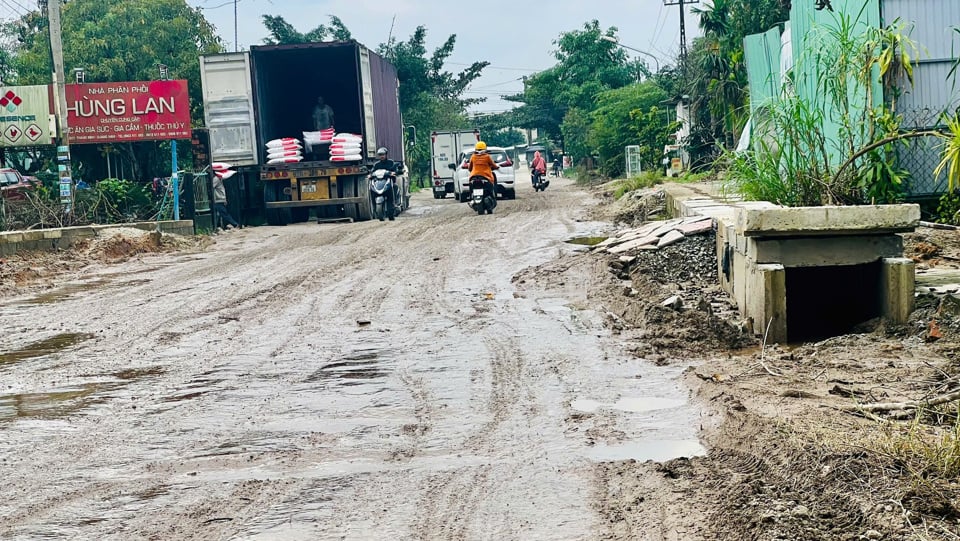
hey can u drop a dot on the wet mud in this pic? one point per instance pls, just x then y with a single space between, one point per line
315 382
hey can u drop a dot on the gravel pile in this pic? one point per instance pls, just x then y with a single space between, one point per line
691 260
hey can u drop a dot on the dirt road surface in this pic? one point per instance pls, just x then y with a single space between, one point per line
352 381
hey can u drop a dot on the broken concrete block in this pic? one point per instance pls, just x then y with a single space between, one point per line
632 245
667 226
696 228
674 302
628 259
670 238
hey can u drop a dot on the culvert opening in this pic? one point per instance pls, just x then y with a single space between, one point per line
829 301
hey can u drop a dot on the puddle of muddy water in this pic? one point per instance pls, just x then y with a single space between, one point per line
65 292
586 241
631 404
68 291
642 451
54 404
43 348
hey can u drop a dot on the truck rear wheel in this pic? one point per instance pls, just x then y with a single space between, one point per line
365 209
273 192
300 215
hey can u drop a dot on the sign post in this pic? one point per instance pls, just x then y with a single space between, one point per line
175 182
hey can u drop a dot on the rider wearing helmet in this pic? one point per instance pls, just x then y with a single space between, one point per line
384 162
481 164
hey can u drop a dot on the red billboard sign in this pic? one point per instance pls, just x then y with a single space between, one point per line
124 112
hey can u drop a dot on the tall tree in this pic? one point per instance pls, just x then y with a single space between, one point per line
283 33
431 98
122 40
586 67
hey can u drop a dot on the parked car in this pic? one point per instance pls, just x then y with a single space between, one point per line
506 175
13 185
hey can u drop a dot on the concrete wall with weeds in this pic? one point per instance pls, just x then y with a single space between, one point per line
830 135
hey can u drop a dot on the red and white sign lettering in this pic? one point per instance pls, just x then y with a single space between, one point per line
121 112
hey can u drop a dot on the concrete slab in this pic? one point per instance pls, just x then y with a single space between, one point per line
696 228
808 221
667 226
669 238
826 251
633 245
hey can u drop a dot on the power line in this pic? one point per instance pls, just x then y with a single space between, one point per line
497 84
661 21
25 8
16 12
529 70
683 25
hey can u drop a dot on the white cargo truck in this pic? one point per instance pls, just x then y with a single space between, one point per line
445 149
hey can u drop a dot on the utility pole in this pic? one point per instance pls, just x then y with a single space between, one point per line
683 28
63 146
236 33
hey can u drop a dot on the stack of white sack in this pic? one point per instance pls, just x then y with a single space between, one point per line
285 150
346 147
314 138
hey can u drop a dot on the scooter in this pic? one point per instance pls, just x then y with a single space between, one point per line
482 197
540 181
382 187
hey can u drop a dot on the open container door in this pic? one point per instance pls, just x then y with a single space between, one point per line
228 108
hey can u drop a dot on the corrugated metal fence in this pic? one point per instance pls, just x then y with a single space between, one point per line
934 90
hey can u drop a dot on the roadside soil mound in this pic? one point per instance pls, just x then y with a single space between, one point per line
28 270
798 448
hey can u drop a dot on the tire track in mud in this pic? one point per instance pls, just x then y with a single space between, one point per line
330 279
452 501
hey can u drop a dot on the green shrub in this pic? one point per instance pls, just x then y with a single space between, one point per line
639 182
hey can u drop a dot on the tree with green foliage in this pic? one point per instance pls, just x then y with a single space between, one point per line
120 40
586 67
283 33
629 116
506 137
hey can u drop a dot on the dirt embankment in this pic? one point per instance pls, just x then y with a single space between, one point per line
794 450
35 270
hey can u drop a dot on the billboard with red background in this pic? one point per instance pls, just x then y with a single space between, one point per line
130 111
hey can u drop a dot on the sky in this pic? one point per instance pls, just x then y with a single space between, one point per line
517 42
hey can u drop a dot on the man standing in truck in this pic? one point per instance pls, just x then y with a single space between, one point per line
322 115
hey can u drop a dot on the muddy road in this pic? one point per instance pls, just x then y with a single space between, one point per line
351 381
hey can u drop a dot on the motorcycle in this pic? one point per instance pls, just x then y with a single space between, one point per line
540 181
382 187
482 197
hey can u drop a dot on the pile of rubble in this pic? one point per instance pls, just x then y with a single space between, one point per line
655 235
